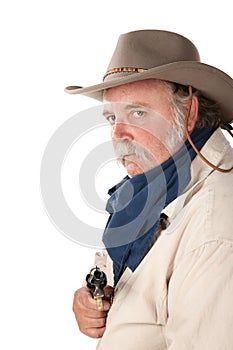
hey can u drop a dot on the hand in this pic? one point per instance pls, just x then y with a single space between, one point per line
91 322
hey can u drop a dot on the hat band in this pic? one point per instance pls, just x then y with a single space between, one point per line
123 69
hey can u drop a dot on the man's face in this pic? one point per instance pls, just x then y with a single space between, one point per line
141 120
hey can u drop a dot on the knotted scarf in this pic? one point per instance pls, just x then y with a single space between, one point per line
135 205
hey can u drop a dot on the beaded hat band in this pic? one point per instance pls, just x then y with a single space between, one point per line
123 69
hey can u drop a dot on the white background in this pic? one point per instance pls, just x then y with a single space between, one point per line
46 45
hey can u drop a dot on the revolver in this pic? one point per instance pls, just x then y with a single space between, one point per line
96 281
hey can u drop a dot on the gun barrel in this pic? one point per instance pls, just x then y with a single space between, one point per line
96 281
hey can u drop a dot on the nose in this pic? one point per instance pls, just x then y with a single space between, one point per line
121 131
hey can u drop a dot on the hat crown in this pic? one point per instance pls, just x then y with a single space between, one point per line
152 48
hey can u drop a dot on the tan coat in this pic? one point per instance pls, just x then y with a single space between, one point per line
181 295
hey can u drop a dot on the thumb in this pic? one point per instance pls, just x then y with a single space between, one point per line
109 293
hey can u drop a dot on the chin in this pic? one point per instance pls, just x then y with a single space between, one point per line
133 169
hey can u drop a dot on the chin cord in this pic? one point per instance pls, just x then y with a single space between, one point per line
222 125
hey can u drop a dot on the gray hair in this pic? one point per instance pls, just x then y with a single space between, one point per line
209 113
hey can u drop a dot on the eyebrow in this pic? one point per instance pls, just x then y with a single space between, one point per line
127 107
106 112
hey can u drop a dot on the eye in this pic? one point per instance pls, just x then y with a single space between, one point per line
111 119
138 114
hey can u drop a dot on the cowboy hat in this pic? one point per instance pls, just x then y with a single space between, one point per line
157 54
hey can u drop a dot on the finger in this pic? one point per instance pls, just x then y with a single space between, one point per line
85 300
93 313
92 327
94 322
83 308
108 293
94 332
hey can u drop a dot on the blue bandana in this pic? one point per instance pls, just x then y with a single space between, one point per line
136 203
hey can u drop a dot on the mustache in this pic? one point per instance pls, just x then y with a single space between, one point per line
126 147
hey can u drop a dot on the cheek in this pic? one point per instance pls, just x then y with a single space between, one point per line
150 140
155 147
163 130
156 130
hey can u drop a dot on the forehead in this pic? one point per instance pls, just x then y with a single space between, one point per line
140 91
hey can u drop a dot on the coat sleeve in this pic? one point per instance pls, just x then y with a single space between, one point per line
200 295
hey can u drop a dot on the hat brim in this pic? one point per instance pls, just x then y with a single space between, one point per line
212 82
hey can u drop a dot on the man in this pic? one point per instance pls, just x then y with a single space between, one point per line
169 237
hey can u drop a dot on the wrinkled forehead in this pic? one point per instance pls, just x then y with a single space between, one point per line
144 90
125 106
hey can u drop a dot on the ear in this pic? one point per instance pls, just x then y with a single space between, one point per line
193 114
